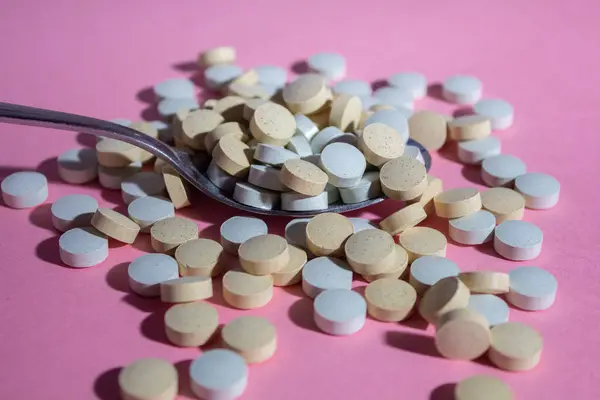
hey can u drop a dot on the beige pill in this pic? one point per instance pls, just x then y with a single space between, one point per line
303 177
247 92
469 127
159 163
485 281
291 274
435 186
264 254
370 252
380 143
456 203
246 291
429 129
379 107
113 153
308 94
327 233
395 271
149 379
176 187
231 108
480 387
199 257
403 178
177 125
147 129
462 334
115 225
252 337
504 203
272 124
217 55
228 128
191 324
390 300
186 289
445 295
196 125
346 111
168 233
515 346
232 156
248 78
407 217
422 241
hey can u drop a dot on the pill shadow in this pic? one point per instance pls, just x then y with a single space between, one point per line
150 113
86 140
294 290
153 327
146 95
450 151
217 297
143 243
463 111
378 84
183 373
48 250
415 321
434 90
106 386
49 167
412 342
186 66
299 67
112 196
144 304
301 314
443 392
41 216
117 277
472 173
212 232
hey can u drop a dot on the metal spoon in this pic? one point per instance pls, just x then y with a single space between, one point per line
190 168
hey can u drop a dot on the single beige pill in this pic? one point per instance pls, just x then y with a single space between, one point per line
246 291
149 379
115 225
487 282
291 274
186 289
435 186
327 233
252 337
390 300
199 257
191 324
380 143
264 254
478 387
231 108
406 217
504 203
272 124
176 187
423 241
196 125
217 55
308 94
462 334
429 129
303 177
396 271
147 129
456 203
469 127
515 346
113 153
167 234
445 295
346 111
370 252
232 156
403 178
227 128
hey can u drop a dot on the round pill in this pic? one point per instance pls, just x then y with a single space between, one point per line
456 203
300 145
199 257
307 94
111 178
410 82
515 346
462 89
331 65
340 311
231 108
345 113
82 247
273 155
475 228
232 156
303 177
266 177
217 55
115 225
147 272
326 234
219 75
445 295
393 118
271 75
252 337
114 153
227 128
407 217
24 189
426 271
403 178
142 184
220 178
429 129
167 108
354 87
174 88
541 191
501 170
390 300
291 273
423 241
368 187
246 291
291 201
323 273
380 143
186 289
78 166
256 197
462 334
237 230
264 255
343 163
73 211
395 270
370 252
469 127
397 98
518 240
167 234
191 324
272 124
305 127
499 112
219 375
532 288
492 307
329 135
197 125
475 151
485 281
482 387
149 379
504 203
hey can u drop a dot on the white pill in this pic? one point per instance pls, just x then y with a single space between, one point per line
394 97
331 134
236 230
462 89
370 101
24 189
541 191
219 374
344 164
291 201
324 273
165 133
295 232
392 118
414 152
148 210
147 272
333 194
300 145
531 288
111 178
475 151
142 184
78 166
330 65
73 211
266 177
354 87
500 112
83 247
360 224
220 178
426 271
340 311
368 187
502 170
120 121
273 155
305 127
254 196
217 76
271 75
168 107
175 88
475 228
492 307
410 82
518 240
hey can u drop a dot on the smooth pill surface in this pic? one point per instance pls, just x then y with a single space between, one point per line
147 272
393 118
462 334
237 230
252 337
469 127
343 163
272 124
390 300
263 255
115 225
475 228
254 196
291 201
326 234
488 282
354 87
73 211
145 211
82 247
423 241
340 311
246 291
499 112
273 155
380 143
323 273
426 271
186 289
24 189
475 151
456 203
266 177
504 203
412 82
148 379
331 65
541 191
515 346
501 170
518 240
167 108
295 232
300 145
217 76
345 113
168 233
219 375
111 178
407 217
291 273
492 307
78 166
482 387
532 288
394 97
220 178
462 89
303 177
175 88
199 257
445 295
370 252
403 178
368 187
142 184
429 129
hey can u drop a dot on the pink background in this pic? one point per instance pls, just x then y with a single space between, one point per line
64 332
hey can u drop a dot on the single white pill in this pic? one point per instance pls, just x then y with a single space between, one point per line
142 184
236 230
340 311
368 187
502 170
475 151
305 126
24 189
325 137
392 118
73 211
168 107
111 178
300 145
295 232
414 152
219 374
426 271
500 112
256 197
492 307
147 272
266 177
220 178
219 75
330 65
145 211
541 191
394 97
531 288
83 247
360 224
410 82
344 164
78 166
273 155
354 87
291 201
271 75
462 89
324 273
518 240
333 194
475 228
175 88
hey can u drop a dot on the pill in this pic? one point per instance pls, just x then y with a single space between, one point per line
380 143
499 112
518 240
445 295
515 346
199 257
414 152
219 374
219 75
475 151
264 255
456 203
78 166
360 224
111 178
370 252
256 197
237 230
308 94
73 211
291 201
390 300
487 282
197 125
482 387
272 124
191 324
345 113
354 87
168 233
147 129
291 273
295 232
24 189
541 191
331 134
343 163
532 288
232 156
423 241
333 194
340 312
368 103
397 98
174 88
462 89
469 127
250 107
252 337
305 127
407 217
167 108
266 177
393 118
148 379
426 271
217 55
462 334
428 128
231 108
323 273
396 270
248 78
186 289
492 307
368 187
273 155
227 128
411 82
303 177
114 153
300 145
327 233
271 75
475 228
403 178
165 134
502 170
176 188
82 247
147 272
506 204
331 65
220 178
434 187
115 225
246 291
142 184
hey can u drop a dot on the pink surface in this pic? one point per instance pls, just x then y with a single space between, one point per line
65 332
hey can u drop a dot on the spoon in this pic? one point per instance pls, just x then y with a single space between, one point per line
191 168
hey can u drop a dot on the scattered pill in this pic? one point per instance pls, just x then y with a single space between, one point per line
291 201
370 252
111 178
175 88
149 379
518 240
167 108
291 273
475 151
300 145
462 89
256 197
168 233
220 178
429 129
246 291
218 75
147 272
397 98
331 65
403 178
345 113
482 387
114 153
423 241
303 177
393 118
237 230
115 225
191 324
456 203
354 87
199 257
271 75
176 188
368 187
500 112
305 127
308 94
541 191
197 124
82 247
390 300
396 270
501 170
426 271
515 346
462 334
327 233
469 127
380 143
264 255
343 163
323 273
410 82
407 217
445 295
24 189
252 337
492 307
340 311
219 374
272 124
186 289
142 184
487 282
73 211
78 166
532 288
273 155
475 228
231 155
506 204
